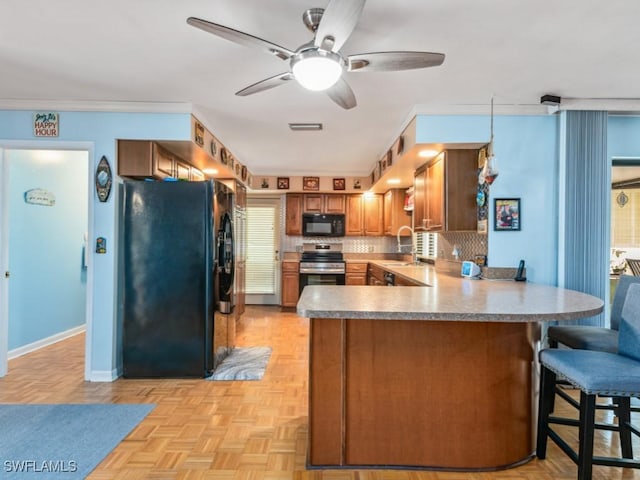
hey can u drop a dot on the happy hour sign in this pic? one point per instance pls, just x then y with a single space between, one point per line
46 124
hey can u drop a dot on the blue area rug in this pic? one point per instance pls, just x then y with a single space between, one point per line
61 441
245 363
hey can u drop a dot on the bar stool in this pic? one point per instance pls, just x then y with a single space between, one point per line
594 338
594 373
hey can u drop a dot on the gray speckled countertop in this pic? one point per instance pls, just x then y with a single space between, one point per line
447 297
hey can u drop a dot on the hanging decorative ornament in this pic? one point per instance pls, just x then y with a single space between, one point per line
622 199
490 170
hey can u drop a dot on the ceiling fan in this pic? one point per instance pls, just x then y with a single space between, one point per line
318 64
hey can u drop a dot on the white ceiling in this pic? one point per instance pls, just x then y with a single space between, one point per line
144 51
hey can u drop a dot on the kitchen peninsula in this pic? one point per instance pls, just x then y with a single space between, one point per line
440 376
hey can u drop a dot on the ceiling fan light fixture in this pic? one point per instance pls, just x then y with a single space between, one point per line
317 69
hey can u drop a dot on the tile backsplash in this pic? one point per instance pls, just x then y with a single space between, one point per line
349 244
469 244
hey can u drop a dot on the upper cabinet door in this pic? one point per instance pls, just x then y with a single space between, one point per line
373 215
293 222
353 216
419 194
435 188
334 204
313 203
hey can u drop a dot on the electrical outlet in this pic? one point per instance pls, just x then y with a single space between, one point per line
371 248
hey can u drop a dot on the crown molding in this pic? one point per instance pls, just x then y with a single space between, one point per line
480 109
96 106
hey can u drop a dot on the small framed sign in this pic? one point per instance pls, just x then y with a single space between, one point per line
311 183
46 124
507 214
283 183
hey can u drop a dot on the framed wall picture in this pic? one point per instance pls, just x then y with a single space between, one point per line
311 183
283 183
507 214
339 184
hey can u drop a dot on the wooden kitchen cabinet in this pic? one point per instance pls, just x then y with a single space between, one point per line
445 192
144 159
375 275
290 283
183 171
354 220
324 203
364 215
293 218
435 188
373 214
197 175
356 273
395 216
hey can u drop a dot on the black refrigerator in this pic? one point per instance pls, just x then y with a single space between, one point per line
168 279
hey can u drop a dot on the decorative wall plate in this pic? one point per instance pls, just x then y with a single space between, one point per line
104 179
243 173
213 148
224 156
622 199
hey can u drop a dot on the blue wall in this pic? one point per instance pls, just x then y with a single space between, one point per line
623 138
102 129
47 293
526 148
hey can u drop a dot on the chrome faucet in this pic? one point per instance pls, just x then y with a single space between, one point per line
414 253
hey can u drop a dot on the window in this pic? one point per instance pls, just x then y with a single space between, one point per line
427 244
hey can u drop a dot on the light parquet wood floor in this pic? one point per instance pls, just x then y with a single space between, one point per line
236 430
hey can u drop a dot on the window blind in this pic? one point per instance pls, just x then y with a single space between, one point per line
260 272
426 244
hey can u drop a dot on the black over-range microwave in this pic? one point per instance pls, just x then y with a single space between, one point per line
322 225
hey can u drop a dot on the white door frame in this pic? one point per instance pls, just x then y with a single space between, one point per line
4 241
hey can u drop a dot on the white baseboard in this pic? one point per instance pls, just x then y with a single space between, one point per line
103 375
32 347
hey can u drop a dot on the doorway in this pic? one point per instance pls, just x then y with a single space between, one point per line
45 207
625 219
263 251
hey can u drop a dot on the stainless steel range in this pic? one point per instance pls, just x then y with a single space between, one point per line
322 264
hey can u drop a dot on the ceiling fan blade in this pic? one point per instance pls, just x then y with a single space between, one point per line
240 37
265 84
392 61
342 94
338 21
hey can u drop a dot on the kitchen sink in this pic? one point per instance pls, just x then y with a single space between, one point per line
397 264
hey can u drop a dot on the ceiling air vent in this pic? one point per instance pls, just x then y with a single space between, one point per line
301 127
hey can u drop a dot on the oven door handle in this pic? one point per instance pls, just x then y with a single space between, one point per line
310 271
